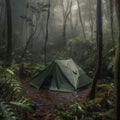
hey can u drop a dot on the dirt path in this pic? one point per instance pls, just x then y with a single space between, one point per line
49 99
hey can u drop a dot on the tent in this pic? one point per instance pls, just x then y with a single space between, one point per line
61 75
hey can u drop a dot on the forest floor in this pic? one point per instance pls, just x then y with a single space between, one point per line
49 100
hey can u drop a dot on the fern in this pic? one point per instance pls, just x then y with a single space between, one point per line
12 99
23 103
9 85
10 88
6 112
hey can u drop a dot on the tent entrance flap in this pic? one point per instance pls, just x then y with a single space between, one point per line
47 82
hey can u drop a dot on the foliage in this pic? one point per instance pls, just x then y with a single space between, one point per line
27 70
100 108
12 97
6 111
82 52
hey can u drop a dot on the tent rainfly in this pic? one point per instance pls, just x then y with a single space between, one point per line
61 75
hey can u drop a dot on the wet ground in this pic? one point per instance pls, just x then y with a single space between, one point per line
49 100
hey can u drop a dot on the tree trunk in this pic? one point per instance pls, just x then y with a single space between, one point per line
71 22
117 63
66 13
91 21
64 26
2 17
29 40
82 25
1 9
111 20
46 35
9 34
99 46
26 46
76 22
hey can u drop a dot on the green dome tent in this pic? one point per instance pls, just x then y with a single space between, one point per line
61 75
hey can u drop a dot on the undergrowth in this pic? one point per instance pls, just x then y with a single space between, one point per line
13 102
100 108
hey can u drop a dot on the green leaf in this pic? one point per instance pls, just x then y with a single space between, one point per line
6 111
80 108
22 105
10 71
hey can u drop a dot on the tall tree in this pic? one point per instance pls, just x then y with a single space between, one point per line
111 19
81 21
117 62
1 8
46 35
9 33
32 22
91 19
99 47
2 21
66 10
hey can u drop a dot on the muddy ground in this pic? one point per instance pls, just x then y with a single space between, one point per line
49 100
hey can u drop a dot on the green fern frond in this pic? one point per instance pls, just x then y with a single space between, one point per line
6 112
23 103
10 88
8 82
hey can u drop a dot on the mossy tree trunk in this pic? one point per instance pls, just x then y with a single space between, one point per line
99 47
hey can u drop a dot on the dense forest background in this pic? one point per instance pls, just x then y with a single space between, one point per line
70 30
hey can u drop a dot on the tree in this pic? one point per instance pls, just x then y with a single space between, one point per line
46 35
66 12
73 23
117 62
81 21
36 10
99 47
1 9
9 34
111 18
91 19
2 22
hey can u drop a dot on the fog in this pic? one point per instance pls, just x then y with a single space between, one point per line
70 22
